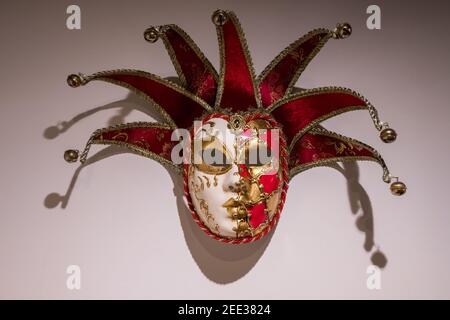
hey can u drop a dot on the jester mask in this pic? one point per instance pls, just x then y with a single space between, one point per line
236 138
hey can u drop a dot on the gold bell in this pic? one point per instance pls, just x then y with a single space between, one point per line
71 155
151 35
74 80
219 17
398 188
388 135
342 31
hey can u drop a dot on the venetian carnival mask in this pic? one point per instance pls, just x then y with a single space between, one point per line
246 136
236 193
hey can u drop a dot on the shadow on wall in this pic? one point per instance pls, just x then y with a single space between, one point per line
219 262
360 204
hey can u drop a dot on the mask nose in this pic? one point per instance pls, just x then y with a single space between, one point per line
231 180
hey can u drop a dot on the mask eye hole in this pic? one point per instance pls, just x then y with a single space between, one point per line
257 153
213 158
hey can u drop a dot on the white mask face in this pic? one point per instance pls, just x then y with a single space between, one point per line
233 195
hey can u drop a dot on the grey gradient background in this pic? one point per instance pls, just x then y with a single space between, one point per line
124 223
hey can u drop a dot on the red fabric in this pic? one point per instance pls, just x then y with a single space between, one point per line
181 108
200 81
244 171
313 147
298 113
270 182
156 140
274 85
238 93
257 214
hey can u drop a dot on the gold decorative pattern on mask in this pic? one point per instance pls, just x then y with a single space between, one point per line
236 122
250 191
197 188
214 149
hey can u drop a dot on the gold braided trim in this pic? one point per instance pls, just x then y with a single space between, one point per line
103 77
172 54
137 124
319 130
304 63
318 91
249 63
134 148
220 85
142 152
312 124
192 45
312 92
324 162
